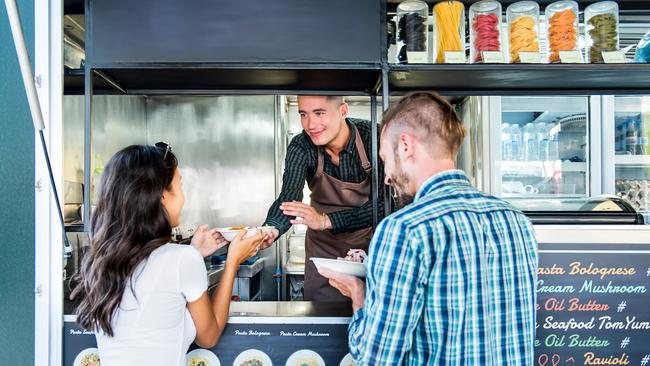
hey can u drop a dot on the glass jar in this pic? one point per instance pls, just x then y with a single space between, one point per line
412 39
485 29
562 28
601 30
523 29
449 18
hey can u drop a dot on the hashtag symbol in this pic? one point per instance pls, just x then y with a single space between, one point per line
621 307
645 360
625 342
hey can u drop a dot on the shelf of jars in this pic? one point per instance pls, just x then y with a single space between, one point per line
511 79
631 5
569 48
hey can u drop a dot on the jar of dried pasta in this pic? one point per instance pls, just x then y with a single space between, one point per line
562 28
523 29
485 29
601 30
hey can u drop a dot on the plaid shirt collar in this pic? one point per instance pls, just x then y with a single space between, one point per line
440 181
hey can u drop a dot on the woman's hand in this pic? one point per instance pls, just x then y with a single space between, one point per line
270 236
207 241
307 215
241 249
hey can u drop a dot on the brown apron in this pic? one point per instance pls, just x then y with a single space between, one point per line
329 194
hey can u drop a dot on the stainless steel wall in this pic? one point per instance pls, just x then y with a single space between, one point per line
226 151
118 121
225 147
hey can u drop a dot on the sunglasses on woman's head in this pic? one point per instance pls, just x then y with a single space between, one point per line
164 147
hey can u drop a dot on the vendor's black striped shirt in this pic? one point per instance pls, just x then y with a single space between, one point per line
300 166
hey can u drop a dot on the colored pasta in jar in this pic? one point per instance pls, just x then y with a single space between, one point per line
562 19
523 37
450 28
601 24
523 29
412 31
485 31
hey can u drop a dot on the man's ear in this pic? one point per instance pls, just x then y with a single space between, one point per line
406 146
345 109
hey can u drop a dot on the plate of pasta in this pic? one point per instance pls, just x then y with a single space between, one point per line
305 357
347 361
87 357
202 357
252 357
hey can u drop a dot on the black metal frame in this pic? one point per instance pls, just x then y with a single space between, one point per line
102 71
581 79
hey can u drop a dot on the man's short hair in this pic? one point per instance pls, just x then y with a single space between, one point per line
429 117
338 100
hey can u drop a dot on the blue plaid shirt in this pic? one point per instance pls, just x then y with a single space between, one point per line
451 281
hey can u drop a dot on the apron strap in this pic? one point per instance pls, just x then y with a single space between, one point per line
321 162
365 164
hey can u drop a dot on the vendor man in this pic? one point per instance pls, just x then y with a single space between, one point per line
332 155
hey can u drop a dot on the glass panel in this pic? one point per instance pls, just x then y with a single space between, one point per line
632 159
544 151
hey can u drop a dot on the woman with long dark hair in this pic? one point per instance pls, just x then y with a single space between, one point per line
144 297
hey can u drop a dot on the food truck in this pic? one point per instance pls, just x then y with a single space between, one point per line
563 136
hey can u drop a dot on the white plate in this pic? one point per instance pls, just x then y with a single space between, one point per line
337 265
347 361
252 353
210 357
84 353
230 234
305 355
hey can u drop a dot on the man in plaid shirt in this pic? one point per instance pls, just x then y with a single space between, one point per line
451 276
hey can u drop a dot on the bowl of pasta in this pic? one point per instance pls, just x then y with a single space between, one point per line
202 357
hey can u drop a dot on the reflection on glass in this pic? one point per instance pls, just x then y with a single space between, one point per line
543 148
632 159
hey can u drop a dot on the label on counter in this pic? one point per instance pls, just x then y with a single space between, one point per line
493 57
530 57
278 341
454 57
592 307
614 57
570 57
415 57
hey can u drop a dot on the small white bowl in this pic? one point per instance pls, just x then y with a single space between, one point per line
87 352
337 265
230 234
347 361
253 354
212 359
297 358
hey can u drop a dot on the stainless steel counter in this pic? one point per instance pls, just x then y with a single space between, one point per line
214 275
294 312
